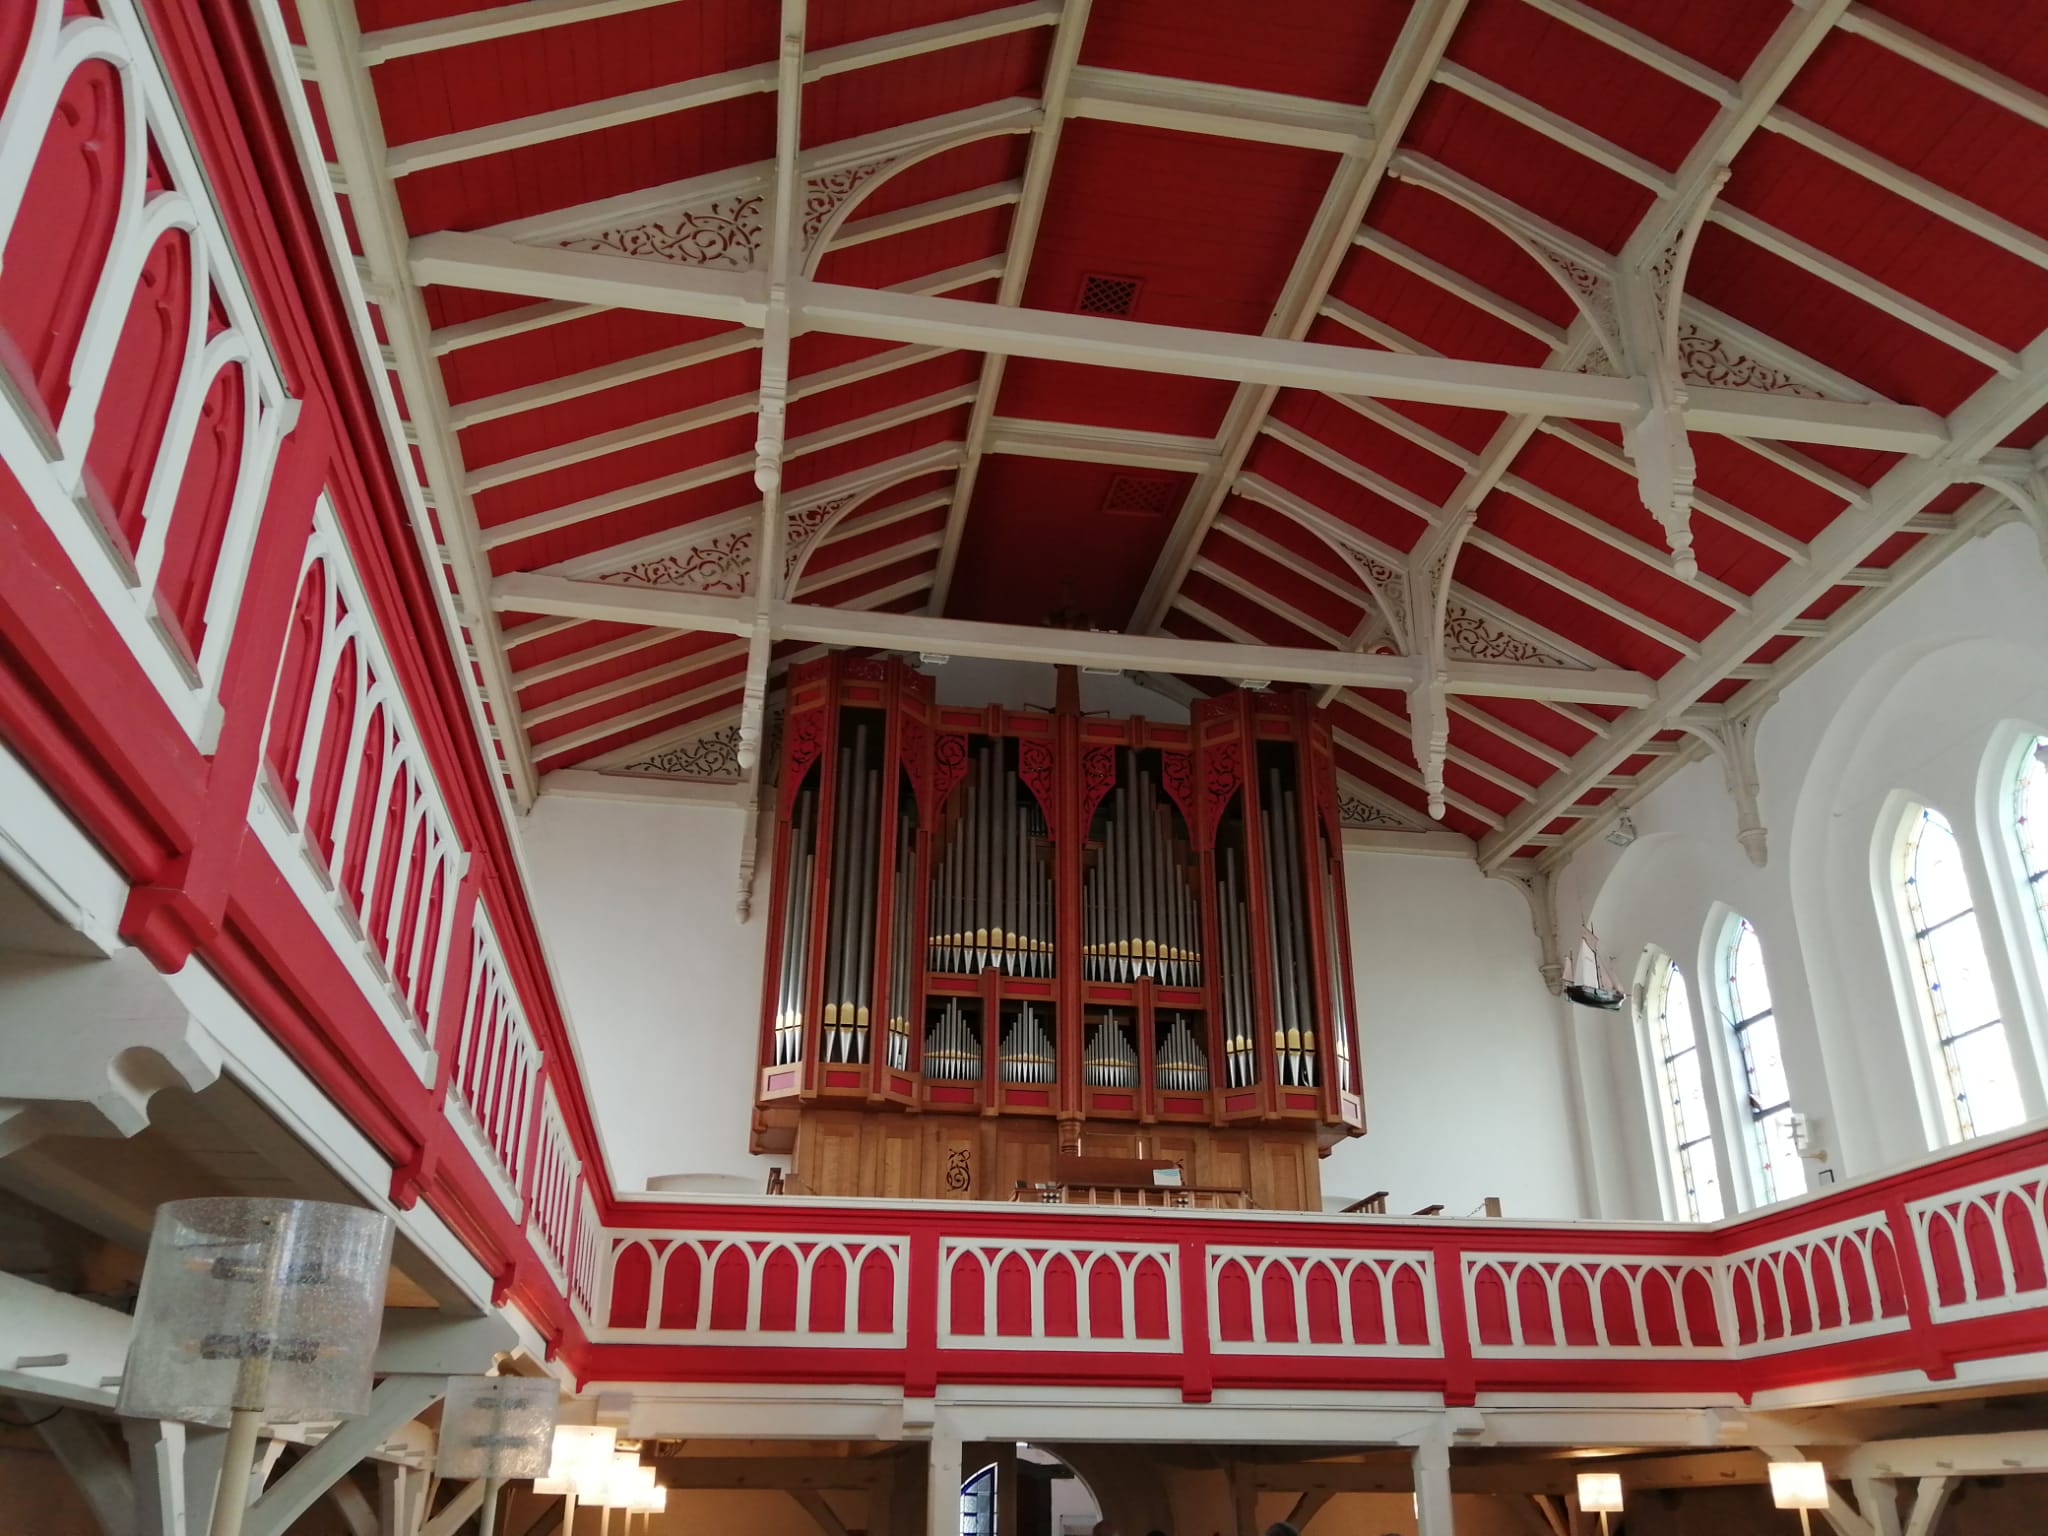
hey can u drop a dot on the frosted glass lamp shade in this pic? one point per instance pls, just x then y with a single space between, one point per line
625 1481
497 1427
1600 1492
581 1461
272 1305
1799 1485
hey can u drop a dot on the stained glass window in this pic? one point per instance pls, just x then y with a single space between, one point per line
1688 1120
1957 997
2030 827
978 1503
1766 1093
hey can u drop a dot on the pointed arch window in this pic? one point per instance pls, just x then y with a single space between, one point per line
2030 827
1682 1079
1766 1094
1957 999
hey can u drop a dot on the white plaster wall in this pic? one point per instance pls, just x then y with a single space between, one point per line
660 980
1924 702
1465 1064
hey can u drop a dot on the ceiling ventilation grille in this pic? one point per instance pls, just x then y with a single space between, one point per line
1102 294
1139 496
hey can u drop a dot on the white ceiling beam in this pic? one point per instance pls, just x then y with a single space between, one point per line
1557 128
349 103
536 629
1480 720
1840 274
1219 111
688 95
1425 34
1599 528
1260 598
939 210
1956 68
1019 248
526 593
482 26
1440 276
1641 47
604 503
1477 766
632 682
817 578
1959 211
1979 425
1395 768
1408 427
590 381
646 714
1593 597
487 262
511 322
1082 443
1351 591
1350 469
592 656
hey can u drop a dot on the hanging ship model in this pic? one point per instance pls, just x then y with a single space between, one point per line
1000 935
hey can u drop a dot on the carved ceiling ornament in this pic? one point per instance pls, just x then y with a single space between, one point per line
721 566
712 758
1472 636
726 232
826 192
802 525
1389 589
1356 811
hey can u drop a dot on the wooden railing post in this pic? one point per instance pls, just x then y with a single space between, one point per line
1461 1380
921 1325
1913 1286
1198 1372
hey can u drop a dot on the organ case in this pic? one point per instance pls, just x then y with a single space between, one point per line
1098 924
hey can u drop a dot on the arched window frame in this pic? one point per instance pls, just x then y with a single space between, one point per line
1689 1153
1948 1068
1750 1025
2022 815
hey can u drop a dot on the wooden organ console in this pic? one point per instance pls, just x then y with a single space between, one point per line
1002 937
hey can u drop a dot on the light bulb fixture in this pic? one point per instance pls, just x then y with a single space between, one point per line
582 1460
1600 1493
1622 833
1800 1485
494 1428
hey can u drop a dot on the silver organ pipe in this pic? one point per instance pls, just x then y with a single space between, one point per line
1110 1059
952 1047
1026 1054
901 941
1180 1064
991 890
1139 916
1334 938
1233 923
796 928
851 894
1294 1037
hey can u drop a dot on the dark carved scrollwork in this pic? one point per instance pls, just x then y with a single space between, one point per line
1177 774
915 760
1034 767
1098 776
1222 772
806 741
959 1171
949 767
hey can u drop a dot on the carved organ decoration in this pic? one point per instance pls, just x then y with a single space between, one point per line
1029 913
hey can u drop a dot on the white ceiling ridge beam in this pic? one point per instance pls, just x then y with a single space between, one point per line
572 121
659 709
459 572
1601 602
887 48
680 423
1425 34
1224 576
939 210
1641 47
1978 426
1595 527
1393 767
1351 590
1460 286
618 687
817 578
1019 247
1956 68
873 477
1750 527
511 322
1469 761
1082 443
1387 490
606 502
388 43
1221 111
486 262
1879 296
1557 128
522 592
1914 188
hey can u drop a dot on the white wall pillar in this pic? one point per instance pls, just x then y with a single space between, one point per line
942 1483
1432 1460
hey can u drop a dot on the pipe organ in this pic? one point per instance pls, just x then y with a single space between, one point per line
1022 932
